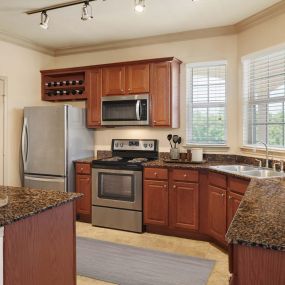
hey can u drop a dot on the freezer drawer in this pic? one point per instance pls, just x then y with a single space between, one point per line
45 182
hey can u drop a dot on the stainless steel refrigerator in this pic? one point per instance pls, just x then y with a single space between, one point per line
52 138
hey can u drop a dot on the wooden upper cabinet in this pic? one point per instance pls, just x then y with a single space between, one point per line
94 85
217 212
114 78
164 91
137 78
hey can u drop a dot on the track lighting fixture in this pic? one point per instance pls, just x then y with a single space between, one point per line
44 20
87 13
139 6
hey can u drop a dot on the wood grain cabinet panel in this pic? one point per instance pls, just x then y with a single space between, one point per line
137 78
93 105
232 206
160 94
185 175
184 205
84 186
156 202
156 173
114 80
217 212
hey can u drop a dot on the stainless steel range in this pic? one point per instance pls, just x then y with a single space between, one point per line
117 184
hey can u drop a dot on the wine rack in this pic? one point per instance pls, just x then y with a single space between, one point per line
64 86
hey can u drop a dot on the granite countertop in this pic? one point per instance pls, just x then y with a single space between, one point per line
85 160
260 219
25 202
199 166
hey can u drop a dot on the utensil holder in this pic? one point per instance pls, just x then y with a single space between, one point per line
174 153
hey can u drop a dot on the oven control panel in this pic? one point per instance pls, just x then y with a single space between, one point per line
139 145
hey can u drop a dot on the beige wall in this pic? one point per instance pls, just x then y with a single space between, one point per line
21 67
219 48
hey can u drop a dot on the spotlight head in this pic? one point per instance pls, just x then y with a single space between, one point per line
139 6
86 12
44 20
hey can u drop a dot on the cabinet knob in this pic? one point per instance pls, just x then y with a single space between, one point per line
223 195
155 173
81 169
185 175
230 197
165 186
154 122
174 186
129 89
122 90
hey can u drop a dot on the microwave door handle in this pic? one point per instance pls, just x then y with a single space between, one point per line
138 108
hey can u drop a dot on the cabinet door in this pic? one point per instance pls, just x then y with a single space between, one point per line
138 78
184 205
114 80
160 94
83 205
217 212
156 202
233 204
94 85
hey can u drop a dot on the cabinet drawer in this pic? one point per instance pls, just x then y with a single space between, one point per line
83 168
156 173
238 185
185 175
218 180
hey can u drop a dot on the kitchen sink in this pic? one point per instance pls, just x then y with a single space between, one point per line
235 168
249 171
264 173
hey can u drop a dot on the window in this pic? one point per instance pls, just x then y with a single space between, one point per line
264 98
206 103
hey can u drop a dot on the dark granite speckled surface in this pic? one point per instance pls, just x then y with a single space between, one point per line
260 219
25 202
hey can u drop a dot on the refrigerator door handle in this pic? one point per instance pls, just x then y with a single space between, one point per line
25 140
60 180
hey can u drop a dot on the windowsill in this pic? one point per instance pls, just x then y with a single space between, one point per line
209 147
276 152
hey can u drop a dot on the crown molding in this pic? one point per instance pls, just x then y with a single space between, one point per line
173 37
25 43
260 17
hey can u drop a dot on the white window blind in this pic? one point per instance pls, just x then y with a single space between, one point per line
264 98
206 103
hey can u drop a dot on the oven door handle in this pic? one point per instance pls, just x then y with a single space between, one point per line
138 110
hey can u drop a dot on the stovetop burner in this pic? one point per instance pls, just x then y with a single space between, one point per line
129 154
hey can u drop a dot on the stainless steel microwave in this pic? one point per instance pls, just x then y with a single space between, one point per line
127 110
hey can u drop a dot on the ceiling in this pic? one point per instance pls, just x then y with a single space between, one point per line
115 20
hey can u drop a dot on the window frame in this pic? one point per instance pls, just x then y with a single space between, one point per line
248 101
189 103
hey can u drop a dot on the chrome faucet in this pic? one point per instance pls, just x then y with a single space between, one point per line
266 148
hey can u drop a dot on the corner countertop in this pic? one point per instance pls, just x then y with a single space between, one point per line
25 202
260 219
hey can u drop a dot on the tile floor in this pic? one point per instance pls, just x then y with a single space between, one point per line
219 275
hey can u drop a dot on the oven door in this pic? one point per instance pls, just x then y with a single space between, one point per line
117 188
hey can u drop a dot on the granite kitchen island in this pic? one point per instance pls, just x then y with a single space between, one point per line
39 237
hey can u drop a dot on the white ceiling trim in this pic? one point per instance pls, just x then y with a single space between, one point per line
182 36
25 43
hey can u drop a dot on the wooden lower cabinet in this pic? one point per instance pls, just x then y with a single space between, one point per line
184 206
251 265
156 202
217 212
232 206
83 185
